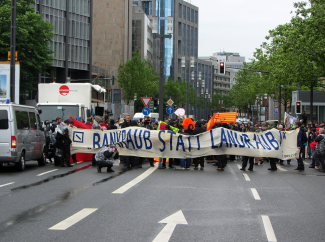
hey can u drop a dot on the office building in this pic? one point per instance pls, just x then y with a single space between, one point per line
72 42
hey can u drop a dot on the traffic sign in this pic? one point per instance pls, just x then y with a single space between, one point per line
170 110
170 102
146 101
146 111
276 111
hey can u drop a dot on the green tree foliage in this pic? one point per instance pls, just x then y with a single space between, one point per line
138 76
294 54
33 36
177 90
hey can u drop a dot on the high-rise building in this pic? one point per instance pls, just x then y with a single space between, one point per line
72 41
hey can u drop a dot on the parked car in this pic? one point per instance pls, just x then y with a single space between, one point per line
21 136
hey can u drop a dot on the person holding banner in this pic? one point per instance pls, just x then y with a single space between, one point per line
105 158
300 146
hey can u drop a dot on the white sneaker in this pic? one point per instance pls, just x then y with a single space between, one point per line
182 168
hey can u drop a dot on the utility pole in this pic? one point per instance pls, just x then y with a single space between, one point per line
13 50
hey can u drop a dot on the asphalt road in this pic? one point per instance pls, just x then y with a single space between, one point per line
79 204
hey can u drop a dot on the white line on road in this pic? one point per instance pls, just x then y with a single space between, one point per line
246 177
268 228
46 172
280 168
255 194
233 173
6 184
135 181
239 166
73 219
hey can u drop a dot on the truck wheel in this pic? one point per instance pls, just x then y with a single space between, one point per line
20 165
42 161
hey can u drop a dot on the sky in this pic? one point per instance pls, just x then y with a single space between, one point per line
239 25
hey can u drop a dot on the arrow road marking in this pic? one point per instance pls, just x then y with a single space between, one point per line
6 184
255 194
135 181
171 222
268 228
73 219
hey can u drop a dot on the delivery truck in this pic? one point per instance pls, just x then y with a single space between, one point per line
70 99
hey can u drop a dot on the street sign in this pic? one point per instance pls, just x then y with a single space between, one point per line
170 110
146 111
146 101
170 102
276 111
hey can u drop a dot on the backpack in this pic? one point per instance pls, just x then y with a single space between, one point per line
320 148
304 138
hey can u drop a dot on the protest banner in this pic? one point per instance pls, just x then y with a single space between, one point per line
137 141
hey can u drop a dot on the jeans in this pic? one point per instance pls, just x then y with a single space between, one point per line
162 162
312 157
185 163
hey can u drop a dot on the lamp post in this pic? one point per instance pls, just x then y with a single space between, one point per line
199 89
13 51
202 94
162 38
135 99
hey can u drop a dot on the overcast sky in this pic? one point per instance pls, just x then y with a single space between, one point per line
238 25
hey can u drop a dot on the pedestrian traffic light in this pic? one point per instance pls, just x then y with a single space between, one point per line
222 68
298 107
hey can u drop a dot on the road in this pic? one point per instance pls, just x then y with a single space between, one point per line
79 204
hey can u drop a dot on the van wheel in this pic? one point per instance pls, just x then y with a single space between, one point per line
42 161
21 163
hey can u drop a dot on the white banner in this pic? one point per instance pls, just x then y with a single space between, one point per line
289 120
141 142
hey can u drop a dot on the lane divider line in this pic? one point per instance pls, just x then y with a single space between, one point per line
246 177
239 166
268 228
6 184
41 174
255 194
135 181
281 168
73 219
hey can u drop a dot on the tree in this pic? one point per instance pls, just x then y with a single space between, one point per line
33 36
138 76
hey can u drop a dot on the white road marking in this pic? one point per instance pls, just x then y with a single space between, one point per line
6 184
246 177
46 172
281 168
239 166
135 181
268 228
73 219
171 222
233 173
255 194
306 163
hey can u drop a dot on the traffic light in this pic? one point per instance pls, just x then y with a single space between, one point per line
298 107
222 68
155 105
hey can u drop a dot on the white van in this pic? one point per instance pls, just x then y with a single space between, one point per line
21 136
138 116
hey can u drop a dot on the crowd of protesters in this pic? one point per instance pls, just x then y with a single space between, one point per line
310 142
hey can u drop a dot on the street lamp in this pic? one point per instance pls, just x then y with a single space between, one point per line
135 99
199 89
202 94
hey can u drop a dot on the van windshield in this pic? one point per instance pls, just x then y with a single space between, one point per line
4 119
51 112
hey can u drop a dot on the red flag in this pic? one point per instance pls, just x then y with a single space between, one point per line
79 124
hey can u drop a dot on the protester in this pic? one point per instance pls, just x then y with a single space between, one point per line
105 158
